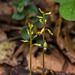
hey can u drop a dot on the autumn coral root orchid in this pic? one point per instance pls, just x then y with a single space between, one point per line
42 32
30 33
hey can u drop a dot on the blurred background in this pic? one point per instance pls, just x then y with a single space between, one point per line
14 54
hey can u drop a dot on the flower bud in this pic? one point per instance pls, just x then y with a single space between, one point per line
45 45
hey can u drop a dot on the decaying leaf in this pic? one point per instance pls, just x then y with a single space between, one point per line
6 52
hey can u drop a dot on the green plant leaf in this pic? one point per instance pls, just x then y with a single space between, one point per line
62 1
32 9
24 33
20 6
67 10
26 2
36 22
15 3
18 16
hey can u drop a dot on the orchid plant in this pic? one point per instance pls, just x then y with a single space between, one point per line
42 32
44 21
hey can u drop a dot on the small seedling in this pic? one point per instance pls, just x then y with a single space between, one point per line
30 33
43 21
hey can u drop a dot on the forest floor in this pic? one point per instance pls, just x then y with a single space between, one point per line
14 55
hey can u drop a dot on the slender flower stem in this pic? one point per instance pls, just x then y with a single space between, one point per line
30 52
43 41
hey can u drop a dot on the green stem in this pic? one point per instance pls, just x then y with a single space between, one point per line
43 41
30 52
